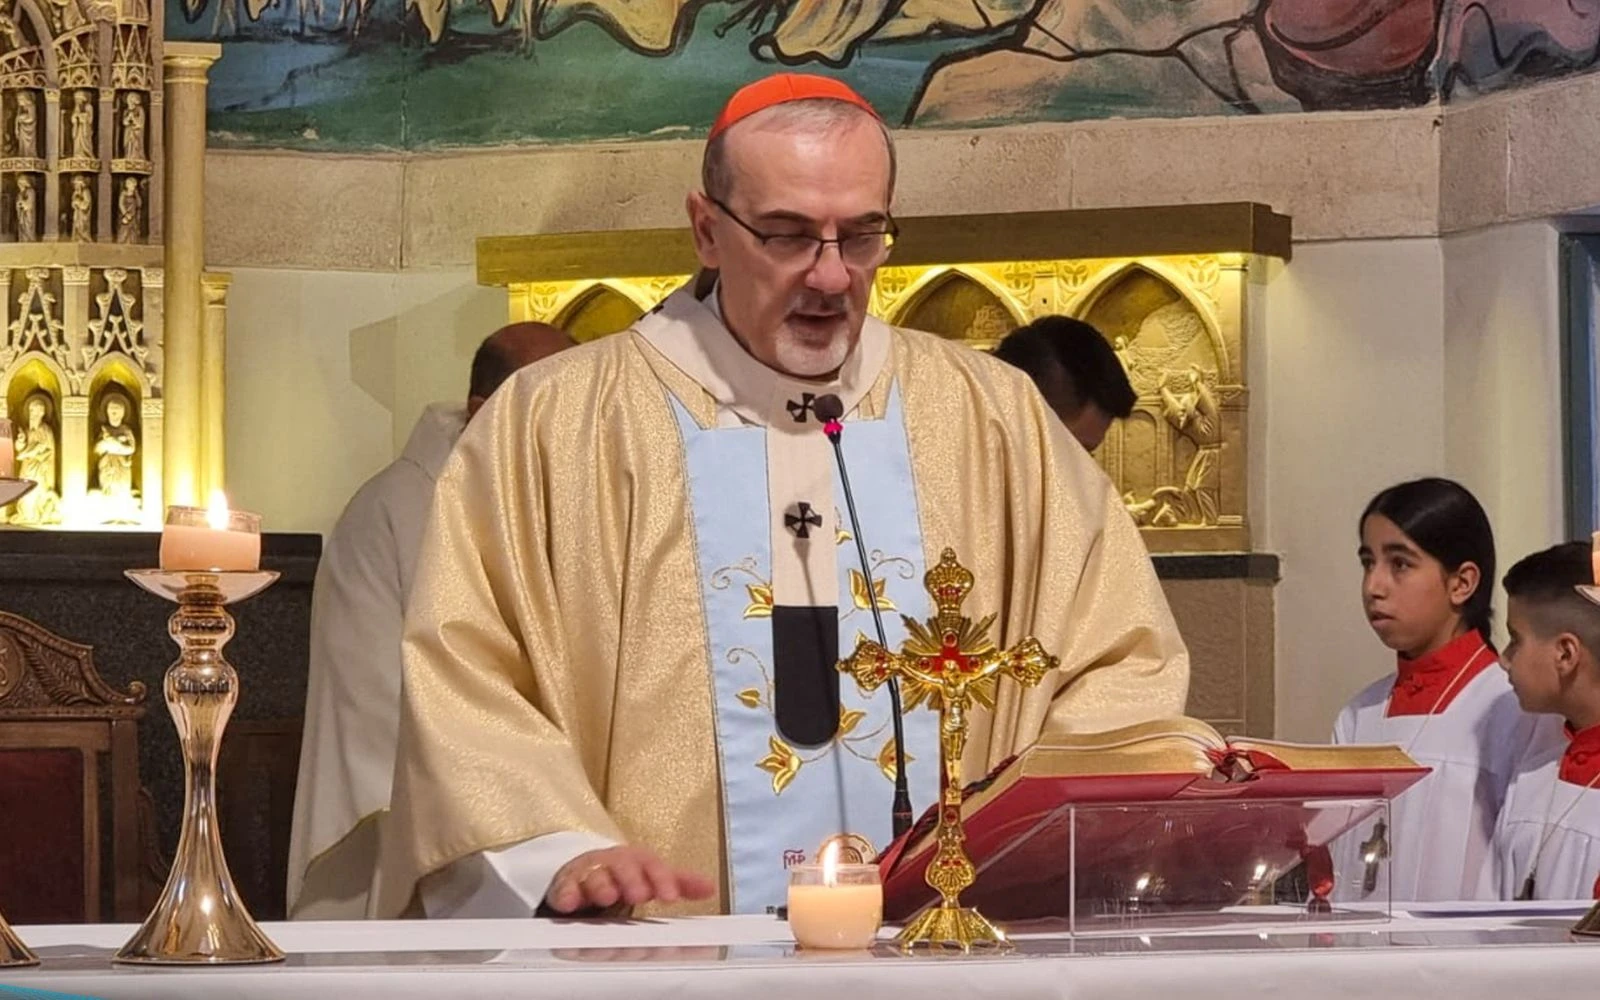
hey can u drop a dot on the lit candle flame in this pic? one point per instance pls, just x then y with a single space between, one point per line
830 864
217 512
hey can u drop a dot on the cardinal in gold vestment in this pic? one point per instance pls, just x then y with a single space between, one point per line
565 638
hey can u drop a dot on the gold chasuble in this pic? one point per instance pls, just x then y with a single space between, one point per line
575 654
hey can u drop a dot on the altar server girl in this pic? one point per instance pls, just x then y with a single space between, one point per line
1427 555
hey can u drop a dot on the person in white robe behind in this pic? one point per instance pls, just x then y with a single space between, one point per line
1547 842
357 612
1427 554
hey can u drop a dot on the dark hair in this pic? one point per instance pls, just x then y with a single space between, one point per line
1072 365
1546 583
1447 522
492 364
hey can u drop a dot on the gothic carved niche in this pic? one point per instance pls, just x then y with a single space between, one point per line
597 312
37 326
1178 459
115 329
957 306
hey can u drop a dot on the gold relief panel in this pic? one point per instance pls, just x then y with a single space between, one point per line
1176 320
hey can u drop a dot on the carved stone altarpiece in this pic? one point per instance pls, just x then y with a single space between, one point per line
86 293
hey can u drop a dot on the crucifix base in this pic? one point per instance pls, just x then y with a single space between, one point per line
952 928
1589 925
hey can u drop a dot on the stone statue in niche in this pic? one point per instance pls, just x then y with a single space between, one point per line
82 210
130 206
36 460
114 450
12 33
25 125
133 127
82 127
27 204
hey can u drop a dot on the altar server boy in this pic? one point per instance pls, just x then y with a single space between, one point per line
1547 841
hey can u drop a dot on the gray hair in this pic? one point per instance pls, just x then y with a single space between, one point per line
815 114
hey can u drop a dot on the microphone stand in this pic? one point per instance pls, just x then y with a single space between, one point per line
902 815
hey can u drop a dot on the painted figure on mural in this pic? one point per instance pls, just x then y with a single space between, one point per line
972 61
82 127
130 208
25 125
115 449
36 460
82 210
27 204
133 127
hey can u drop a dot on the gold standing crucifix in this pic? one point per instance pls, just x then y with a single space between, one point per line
949 663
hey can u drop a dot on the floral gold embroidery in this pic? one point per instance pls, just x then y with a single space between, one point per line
760 591
782 763
843 536
848 718
751 697
886 758
864 601
760 601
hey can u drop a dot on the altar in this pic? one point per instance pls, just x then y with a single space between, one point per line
1463 951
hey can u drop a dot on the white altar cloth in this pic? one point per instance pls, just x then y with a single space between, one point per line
1464 952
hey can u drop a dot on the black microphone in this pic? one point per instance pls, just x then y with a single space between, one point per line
829 409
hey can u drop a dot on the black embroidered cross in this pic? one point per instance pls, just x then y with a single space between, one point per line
800 407
803 521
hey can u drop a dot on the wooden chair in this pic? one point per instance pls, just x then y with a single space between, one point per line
58 721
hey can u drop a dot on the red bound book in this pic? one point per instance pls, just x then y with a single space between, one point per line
1167 813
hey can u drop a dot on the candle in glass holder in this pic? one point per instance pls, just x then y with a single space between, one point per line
1594 556
199 539
834 906
8 454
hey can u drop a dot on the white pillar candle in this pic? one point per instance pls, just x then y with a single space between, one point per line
200 540
8 454
834 906
1594 557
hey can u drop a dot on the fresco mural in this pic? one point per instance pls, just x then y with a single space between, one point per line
420 74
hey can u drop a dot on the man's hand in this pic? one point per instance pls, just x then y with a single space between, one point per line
627 874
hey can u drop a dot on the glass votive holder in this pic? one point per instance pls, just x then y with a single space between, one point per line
197 539
835 907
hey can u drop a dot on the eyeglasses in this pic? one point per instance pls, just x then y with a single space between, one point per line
802 250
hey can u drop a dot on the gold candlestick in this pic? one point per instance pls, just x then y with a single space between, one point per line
199 919
13 952
949 663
